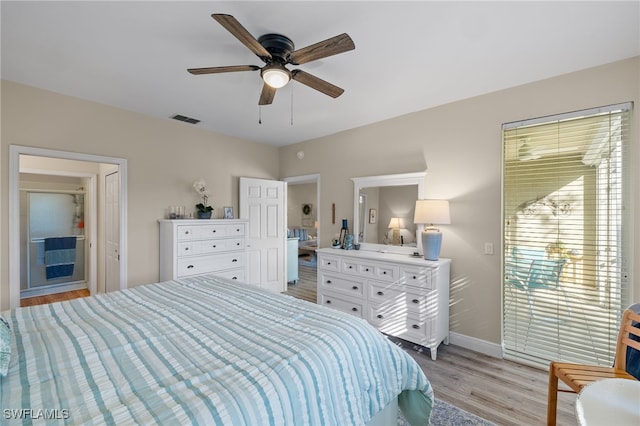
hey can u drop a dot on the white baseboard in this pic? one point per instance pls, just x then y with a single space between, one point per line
476 345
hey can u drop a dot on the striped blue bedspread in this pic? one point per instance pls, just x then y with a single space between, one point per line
207 351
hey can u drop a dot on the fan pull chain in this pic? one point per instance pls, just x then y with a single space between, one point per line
292 105
259 106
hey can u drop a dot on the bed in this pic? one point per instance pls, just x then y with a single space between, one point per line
204 350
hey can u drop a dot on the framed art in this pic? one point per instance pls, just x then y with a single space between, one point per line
373 215
228 212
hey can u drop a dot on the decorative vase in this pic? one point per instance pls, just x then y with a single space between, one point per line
204 215
431 242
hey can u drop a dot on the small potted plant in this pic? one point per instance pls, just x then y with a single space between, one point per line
203 210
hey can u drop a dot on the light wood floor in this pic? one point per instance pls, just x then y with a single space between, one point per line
503 392
50 298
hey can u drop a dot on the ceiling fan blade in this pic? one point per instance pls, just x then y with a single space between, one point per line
267 95
316 83
329 47
234 27
215 70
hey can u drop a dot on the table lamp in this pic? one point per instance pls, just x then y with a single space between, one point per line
430 212
395 223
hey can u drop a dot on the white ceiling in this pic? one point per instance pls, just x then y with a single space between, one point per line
409 56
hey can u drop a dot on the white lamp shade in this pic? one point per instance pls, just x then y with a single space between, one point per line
395 222
432 212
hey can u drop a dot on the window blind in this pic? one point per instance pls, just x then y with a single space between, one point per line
565 236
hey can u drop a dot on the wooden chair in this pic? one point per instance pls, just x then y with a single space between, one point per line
577 376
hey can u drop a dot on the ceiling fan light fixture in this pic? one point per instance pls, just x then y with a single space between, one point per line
276 75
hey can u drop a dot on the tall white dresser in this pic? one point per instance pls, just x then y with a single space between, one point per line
196 247
401 295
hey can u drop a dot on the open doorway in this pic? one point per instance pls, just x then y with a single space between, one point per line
303 224
55 174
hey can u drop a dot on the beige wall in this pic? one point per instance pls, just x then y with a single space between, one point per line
459 145
164 158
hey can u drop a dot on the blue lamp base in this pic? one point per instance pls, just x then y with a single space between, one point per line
431 242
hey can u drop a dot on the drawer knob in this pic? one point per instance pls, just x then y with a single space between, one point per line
415 301
234 260
328 281
354 309
190 267
186 249
384 273
355 287
366 269
350 267
328 302
238 230
234 278
186 232
237 244
214 246
415 278
380 293
380 316
416 326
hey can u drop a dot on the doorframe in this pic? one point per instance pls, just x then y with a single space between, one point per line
15 151
311 178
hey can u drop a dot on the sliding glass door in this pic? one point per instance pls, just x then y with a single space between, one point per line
565 228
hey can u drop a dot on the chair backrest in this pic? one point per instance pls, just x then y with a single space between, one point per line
545 273
628 345
519 265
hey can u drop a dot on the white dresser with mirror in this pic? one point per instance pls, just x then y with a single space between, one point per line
388 285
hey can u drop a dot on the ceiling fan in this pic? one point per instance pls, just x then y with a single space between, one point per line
276 51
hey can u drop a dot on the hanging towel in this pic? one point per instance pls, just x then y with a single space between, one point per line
59 256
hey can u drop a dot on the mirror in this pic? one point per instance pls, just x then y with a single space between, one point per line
381 201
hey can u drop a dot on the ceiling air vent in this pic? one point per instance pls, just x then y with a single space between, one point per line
185 119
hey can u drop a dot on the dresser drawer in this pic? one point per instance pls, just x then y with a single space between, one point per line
328 263
191 248
418 277
186 232
341 303
401 298
347 285
378 271
212 263
413 328
221 230
233 274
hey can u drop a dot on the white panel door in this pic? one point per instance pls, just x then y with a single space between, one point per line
263 204
112 232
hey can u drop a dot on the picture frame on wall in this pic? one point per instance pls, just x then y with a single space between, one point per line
373 215
228 212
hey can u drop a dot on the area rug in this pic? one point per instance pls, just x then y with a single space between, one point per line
445 414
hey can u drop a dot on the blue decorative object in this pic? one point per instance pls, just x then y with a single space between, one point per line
348 242
343 233
431 242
